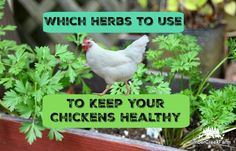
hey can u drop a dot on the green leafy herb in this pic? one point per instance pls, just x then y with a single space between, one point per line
143 82
29 74
54 133
217 108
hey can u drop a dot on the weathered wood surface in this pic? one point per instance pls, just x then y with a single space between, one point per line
9 20
36 9
74 140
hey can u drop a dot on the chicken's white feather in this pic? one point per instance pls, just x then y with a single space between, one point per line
114 66
136 50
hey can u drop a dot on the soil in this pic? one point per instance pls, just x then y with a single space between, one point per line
132 133
228 143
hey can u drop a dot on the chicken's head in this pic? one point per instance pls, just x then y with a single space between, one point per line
86 44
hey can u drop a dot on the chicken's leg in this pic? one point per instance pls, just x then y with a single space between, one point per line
127 88
105 91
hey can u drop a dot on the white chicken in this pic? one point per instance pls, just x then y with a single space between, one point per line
115 66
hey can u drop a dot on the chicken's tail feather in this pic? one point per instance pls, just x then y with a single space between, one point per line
136 50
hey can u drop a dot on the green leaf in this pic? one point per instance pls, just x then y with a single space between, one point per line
37 130
2 67
176 53
140 71
7 82
207 9
7 45
32 131
44 79
25 126
86 89
230 8
135 86
54 84
38 95
11 99
71 38
81 36
79 63
25 110
143 3
157 85
55 133
76 38
18 61
217 109
42 52
72 74
118 88
19 87
9 28
193 5
172 5
217 1
30 136
87 75
63 53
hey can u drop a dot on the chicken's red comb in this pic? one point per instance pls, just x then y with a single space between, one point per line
86 39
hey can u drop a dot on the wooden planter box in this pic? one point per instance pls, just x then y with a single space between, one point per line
77 139
74 140
216 83
83 140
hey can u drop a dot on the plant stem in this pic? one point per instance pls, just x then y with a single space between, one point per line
172 77
35 103
200 89
189 137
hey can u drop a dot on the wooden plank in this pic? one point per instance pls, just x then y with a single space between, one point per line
74 140
29 25
124 5
70 5
177 84
92 5
36 12
231 34
73 6
47 6
112 5
33 9
9 20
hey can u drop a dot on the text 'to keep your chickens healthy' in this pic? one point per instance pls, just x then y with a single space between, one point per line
116 111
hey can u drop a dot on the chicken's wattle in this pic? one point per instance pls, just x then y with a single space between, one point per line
86 45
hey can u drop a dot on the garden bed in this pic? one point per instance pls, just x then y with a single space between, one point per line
228 143
177 86
74 139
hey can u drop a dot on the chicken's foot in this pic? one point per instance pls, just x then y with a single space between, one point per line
127 88
108 87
